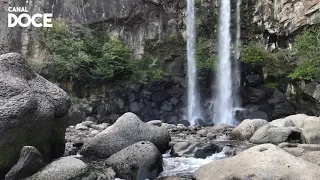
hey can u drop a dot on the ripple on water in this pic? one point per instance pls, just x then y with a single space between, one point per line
185 166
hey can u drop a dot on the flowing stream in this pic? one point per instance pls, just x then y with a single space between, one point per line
185 166
223 106
194 109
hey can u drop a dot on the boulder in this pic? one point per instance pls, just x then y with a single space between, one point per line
127 130
139 161
257 115
309 125
311 130
256 95
194 149
30 162
155 123
66 168
33 112
296 120
252 80
221 128
273 134
247 128
261 162
134 107
313 157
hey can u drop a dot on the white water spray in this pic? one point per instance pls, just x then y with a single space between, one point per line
193 95
223 106
236 71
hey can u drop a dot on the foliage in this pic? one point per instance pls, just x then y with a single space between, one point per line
206 59
307 47
255 54
277 64
77 53
116 62
67 55
307 71
147 69
305 53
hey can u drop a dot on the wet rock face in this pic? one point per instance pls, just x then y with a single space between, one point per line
164 100
32 112
285 17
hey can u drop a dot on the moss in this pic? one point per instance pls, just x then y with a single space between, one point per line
272 85
206 59
163 49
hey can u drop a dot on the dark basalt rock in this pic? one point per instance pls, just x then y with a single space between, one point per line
33 112
139 161
30 162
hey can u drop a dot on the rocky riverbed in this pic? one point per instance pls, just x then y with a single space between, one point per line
285 148
194 147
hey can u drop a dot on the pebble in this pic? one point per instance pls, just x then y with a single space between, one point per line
211 136
155 122
94 132
202 133
81 127
88 123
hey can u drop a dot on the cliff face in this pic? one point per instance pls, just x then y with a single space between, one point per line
285 17
137 21
133 20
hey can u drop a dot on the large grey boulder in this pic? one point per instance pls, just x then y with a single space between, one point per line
309 125
66 168
247 128
139 161
273 134
296 120
261 162
30 162
194 149
127 130
32 112
311 130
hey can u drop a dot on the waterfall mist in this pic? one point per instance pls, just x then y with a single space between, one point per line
223 106
194 111
236 68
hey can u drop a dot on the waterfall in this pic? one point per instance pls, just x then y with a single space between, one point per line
223 106
193 94
236 71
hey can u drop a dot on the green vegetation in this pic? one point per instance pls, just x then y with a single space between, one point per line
80 54
307 46
301 62
255 54
206 59
147 68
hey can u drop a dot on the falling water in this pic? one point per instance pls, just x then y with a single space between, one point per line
223 106
193 97
237 74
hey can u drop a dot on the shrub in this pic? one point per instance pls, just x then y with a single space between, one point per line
147 69
116 62
206 59
307 47
255 54
77 53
